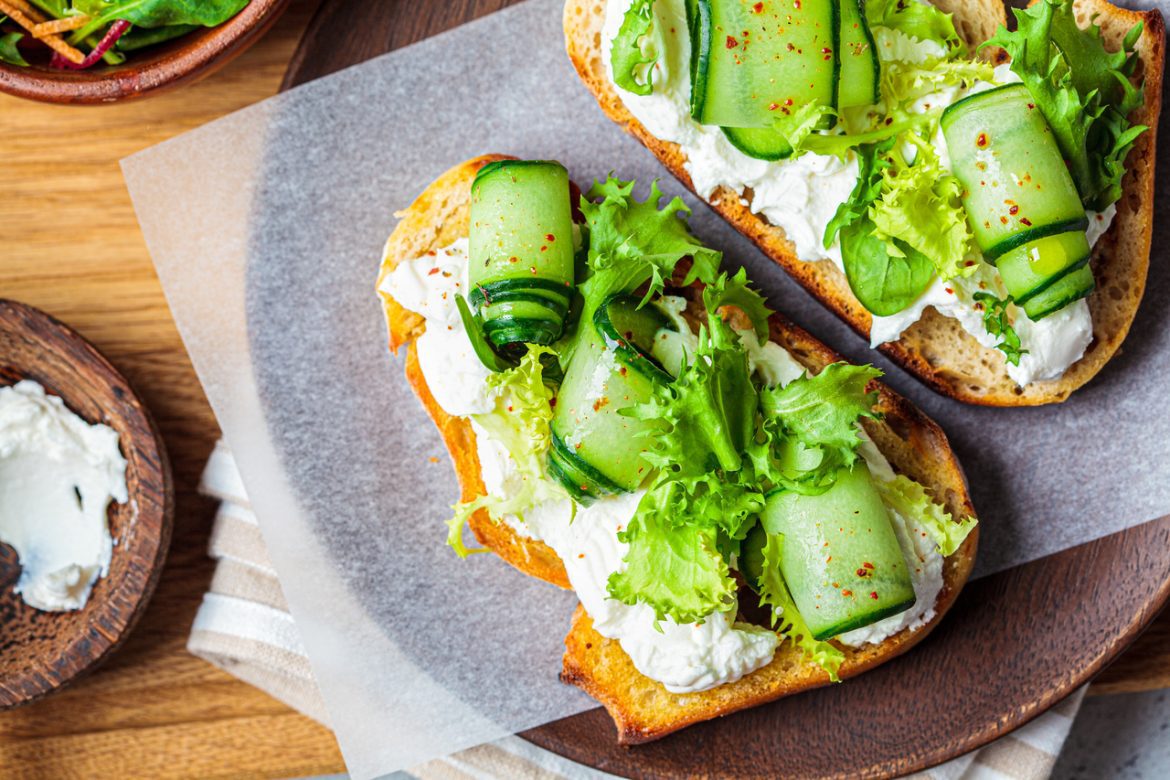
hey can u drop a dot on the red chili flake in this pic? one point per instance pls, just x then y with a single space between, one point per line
788 102
1025 221
1003 220
544 249
758 8
581 555
552 402
868 565
432 272
861 572
981 140
830 560
846 592
796 4
431 253
836 585
550 237
513 259
1014 210
732 42
622 370
949 291
790 47
773 106
1031 105
873 595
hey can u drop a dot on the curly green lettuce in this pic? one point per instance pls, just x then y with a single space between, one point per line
921 207
911 500
786 618
1085 92
633 52
918 20
633 242
520 421
995 319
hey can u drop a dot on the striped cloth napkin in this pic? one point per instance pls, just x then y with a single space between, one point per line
244 627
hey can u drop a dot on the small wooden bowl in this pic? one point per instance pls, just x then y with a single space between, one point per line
150 71
42 651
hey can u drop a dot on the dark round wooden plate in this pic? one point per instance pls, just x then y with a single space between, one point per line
42 651
1015 644
149 71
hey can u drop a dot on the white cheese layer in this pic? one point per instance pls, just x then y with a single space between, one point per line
58 475
802 195
684 658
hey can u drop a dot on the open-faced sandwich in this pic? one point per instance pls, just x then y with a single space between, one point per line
976 202
741 514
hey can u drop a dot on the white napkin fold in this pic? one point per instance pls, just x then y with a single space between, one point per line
244 627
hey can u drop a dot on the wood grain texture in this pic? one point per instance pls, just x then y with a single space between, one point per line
42 651
151 71
72 247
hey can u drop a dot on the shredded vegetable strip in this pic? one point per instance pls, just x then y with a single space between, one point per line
28 9
16 11
116 31
58 26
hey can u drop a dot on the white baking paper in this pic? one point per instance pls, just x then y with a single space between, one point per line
266 228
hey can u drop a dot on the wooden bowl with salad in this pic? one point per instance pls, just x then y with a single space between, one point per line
101 51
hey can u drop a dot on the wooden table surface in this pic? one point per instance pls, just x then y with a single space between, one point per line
71 246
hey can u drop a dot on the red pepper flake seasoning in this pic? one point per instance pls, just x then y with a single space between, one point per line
949 292
549 237
773 106
873 595
790 47
1014 210
513 259
600 402
758 8
552 402
827 52
1025 221
830 560
796 4
432 272
861 572
544 248
581 555
868 565
846 592
1003 220
981 140
732 42
1031 105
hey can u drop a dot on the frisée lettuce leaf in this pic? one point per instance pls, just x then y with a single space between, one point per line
911 500
1084 91
520 421
633 51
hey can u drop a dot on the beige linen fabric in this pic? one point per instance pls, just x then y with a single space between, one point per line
244 627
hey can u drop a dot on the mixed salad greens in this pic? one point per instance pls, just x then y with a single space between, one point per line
616 392
78 34
951 177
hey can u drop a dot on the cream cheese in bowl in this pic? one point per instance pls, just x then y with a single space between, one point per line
58 475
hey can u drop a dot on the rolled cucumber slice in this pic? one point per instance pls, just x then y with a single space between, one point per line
754 62
1021 202
1071 287
860 67
597 450
841 560
521 251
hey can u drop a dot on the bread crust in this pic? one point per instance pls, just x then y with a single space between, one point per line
936 349
642 708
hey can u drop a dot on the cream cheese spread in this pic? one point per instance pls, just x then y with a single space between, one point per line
684 658
801 195
58 475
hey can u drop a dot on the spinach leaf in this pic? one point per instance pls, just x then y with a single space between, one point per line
884 282
8 51
157 13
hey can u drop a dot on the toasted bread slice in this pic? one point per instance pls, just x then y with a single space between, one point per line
439 216
936 348
642 708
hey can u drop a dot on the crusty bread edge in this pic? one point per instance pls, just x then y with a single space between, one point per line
915 445
433 221
926 349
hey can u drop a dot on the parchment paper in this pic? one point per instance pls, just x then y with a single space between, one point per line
266 228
